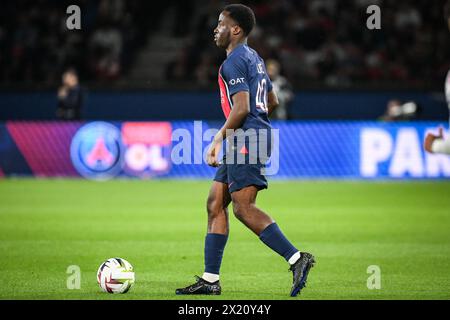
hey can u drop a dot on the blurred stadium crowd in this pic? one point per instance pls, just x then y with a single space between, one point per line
322 42
36 46
327 42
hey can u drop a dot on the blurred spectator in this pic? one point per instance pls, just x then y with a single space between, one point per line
282 88
70 97
398 111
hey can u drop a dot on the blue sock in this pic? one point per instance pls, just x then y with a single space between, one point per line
275 240
214 246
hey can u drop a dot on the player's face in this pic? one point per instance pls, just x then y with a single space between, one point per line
222 33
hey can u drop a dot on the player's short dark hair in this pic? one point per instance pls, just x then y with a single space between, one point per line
243 15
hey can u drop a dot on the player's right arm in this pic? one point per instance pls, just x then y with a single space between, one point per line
272 102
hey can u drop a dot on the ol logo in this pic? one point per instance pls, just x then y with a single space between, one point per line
97 151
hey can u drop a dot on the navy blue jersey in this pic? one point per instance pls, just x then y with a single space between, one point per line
244 70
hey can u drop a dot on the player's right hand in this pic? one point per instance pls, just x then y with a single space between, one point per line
430 138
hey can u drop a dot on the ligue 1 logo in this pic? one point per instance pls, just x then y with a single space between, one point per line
97 151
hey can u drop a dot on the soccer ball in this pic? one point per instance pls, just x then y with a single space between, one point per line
115 275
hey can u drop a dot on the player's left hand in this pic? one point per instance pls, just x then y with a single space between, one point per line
213 152
430 138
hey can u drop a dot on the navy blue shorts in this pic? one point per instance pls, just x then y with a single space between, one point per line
238 176
246 170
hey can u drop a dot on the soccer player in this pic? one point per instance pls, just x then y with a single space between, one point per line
437 143
247 100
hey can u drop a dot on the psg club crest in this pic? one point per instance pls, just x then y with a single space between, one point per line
97 151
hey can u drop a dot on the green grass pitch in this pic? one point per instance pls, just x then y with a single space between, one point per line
159 226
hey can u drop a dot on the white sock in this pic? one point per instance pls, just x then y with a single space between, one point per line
294 257
210 277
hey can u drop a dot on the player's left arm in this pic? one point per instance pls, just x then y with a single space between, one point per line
241 108
236 74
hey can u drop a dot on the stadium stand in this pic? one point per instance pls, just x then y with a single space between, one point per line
163 44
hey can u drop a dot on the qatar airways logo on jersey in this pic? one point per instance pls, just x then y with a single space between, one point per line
252 146
232 82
